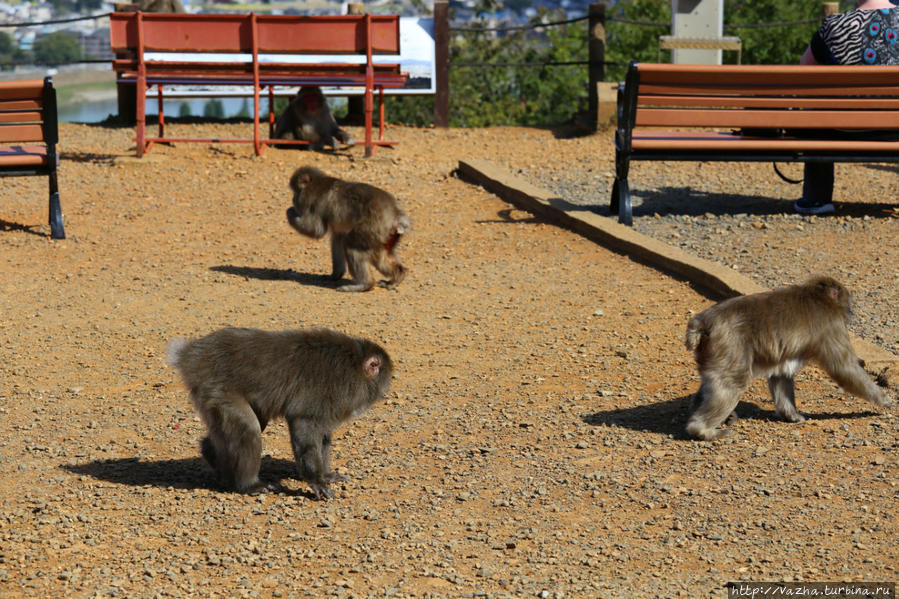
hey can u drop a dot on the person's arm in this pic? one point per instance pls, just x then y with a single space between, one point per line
808 57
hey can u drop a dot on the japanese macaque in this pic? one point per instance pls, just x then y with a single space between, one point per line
365 224
308 118
772 335
239 379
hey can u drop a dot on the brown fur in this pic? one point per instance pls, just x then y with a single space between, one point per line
772 335
240 379
309 118
364 221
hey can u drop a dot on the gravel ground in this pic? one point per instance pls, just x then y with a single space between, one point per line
740 215
531 445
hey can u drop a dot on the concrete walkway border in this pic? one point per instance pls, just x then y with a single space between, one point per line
711 276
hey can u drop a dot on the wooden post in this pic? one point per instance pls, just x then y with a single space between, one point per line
355 105
441 63
596 46
829 8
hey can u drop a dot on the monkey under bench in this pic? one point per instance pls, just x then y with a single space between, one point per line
258 51
751 113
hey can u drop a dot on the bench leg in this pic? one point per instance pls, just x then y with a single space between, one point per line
621 202
56 228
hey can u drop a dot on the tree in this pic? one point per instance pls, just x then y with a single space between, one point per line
57 47
214 109
7 44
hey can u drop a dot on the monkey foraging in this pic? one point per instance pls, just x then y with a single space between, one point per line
308 118
365 224
772 335
239 379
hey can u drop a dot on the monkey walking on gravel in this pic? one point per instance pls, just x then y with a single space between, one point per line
239 379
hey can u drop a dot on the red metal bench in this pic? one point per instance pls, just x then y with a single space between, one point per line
255 40
28 114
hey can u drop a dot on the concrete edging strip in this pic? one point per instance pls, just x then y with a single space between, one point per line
707 274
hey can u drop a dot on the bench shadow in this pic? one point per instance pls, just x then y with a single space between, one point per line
685 201
6 225
669 417
277 274
89 157
189 473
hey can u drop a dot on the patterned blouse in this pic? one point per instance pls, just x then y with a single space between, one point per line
858 37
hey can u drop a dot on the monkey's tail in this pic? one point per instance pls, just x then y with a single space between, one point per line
403 224
695 332
173 350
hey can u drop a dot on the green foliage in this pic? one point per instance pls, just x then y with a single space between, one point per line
534 94
626 41
8 49
761 45
57 47
771 45
7 43
184 109
214 109
244 111
409 110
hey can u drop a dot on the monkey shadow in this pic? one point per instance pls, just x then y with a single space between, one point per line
670 417
190 473
664 418
278 274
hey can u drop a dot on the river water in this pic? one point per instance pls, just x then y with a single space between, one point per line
97 110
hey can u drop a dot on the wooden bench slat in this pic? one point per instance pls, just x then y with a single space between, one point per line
17 105
787 89
28 132
808 119
719 140
702 101
21 116
761 75
27 88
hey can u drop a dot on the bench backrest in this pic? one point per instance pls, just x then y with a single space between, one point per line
766 96
28 111
252 33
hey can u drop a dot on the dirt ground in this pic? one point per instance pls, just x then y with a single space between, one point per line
531 445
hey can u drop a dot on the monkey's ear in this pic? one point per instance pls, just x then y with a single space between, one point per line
372 365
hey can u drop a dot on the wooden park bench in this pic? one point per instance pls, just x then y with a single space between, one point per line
28 115
778 113
253 50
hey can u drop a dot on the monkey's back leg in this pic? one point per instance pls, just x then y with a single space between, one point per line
387 264
233 446
784 395
718 396
358 261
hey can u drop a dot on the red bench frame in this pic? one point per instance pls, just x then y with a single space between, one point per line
133 34
28 114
